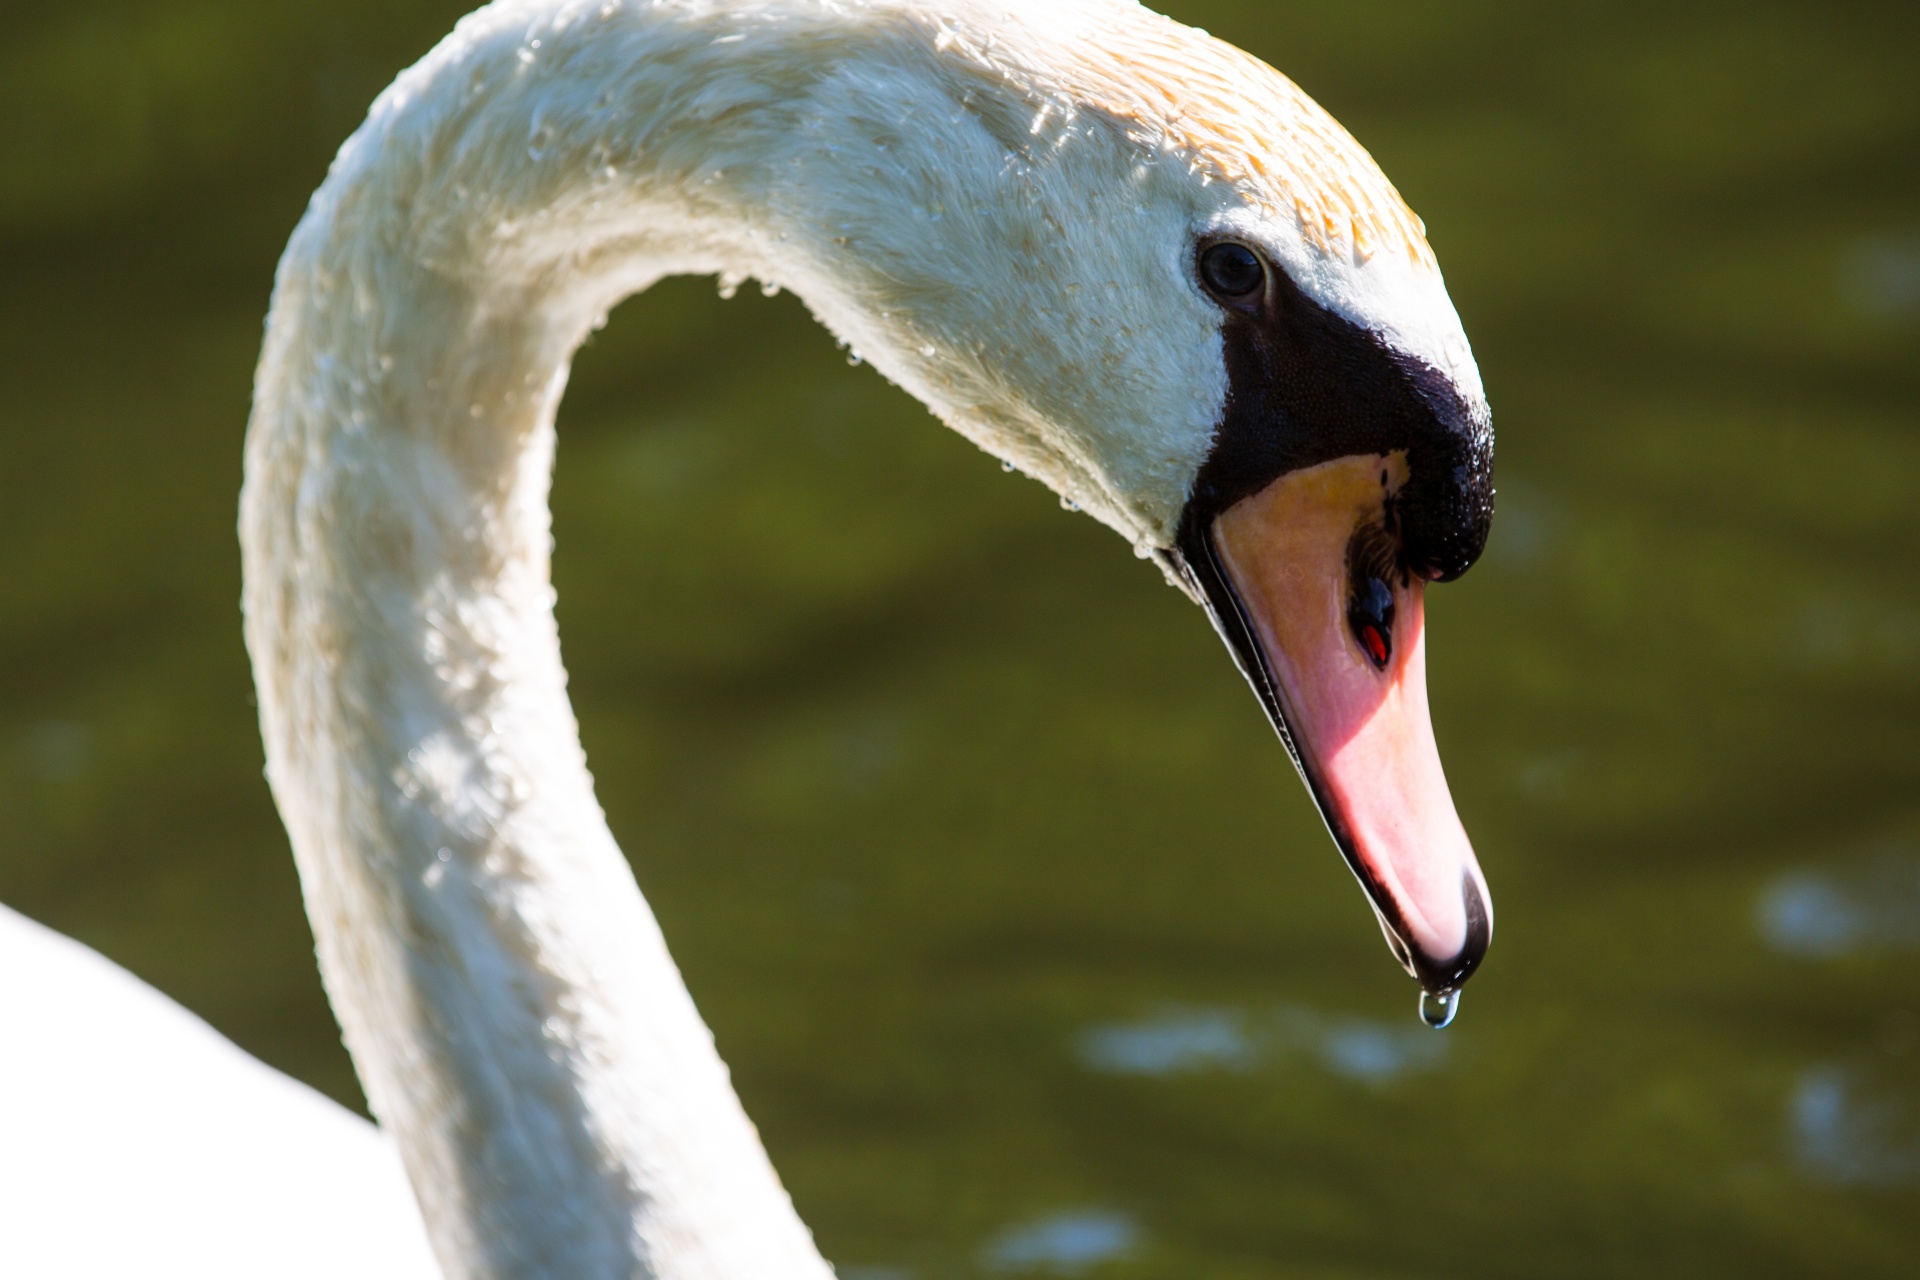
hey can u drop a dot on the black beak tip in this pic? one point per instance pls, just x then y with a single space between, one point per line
1441 976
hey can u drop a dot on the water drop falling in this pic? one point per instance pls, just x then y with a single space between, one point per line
1437 1010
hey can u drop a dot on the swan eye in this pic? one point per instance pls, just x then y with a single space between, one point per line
1370 614
1232 271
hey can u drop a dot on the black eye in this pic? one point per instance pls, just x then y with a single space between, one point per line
1232 270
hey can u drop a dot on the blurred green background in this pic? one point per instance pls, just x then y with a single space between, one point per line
1023 941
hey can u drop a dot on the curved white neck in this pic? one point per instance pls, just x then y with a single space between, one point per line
928 182
506 994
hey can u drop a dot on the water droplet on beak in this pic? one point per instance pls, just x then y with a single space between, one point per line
1437 1010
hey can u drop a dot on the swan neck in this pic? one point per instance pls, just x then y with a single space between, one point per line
501 983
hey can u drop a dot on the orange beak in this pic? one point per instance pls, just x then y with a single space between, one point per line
1305 582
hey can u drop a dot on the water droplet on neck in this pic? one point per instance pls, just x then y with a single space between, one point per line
1437 1010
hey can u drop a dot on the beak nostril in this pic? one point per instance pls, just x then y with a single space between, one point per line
1370 615
1373 565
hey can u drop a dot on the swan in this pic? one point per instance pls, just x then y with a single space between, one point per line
135 1140
1124 257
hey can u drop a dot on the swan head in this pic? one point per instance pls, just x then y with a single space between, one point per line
1146 269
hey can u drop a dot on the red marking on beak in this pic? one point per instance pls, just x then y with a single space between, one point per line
1375 645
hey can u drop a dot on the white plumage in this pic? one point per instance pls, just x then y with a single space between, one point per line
994 204
135 1140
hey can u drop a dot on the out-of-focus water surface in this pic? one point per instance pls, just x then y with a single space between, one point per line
1027 950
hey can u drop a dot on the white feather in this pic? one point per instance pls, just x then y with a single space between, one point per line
135 1140
996 205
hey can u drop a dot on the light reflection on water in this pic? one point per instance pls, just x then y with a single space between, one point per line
1855 1127
1196 1040
1870 903
1187 1041
1854 1123
1065 1244
1881 276
59 749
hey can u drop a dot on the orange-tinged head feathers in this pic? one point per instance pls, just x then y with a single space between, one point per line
1238 120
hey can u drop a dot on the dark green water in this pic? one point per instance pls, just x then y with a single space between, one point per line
1026 948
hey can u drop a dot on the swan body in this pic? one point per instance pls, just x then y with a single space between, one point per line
1122 256
135 1140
